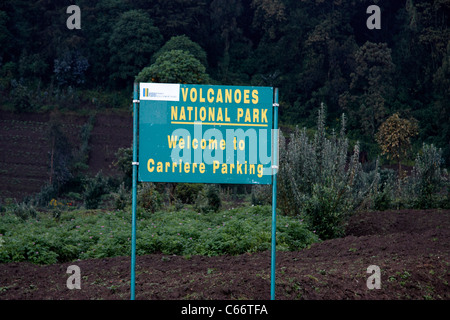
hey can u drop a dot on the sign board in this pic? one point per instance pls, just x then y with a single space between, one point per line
205 133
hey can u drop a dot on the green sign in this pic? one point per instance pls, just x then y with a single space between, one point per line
205 133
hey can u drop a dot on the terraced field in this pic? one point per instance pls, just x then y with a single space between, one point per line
25 147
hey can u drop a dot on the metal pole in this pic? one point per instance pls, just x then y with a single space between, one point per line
133 214
274 192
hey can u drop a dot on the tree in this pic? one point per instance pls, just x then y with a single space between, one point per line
175 66
370 86
427 176
268 14
5 35
60 154
394 137
133 41
186 44
69 69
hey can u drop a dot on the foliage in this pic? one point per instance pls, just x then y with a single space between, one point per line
148 197
261 195
184 43
24 211
174 66
208 199
384 197
81 157
122 197
94 189
21 97
317 179
134 39
403 67
370 86
187 192
70 68
98 234
394 137
124 158
427 177
60 155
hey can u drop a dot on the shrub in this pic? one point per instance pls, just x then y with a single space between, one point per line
384 196
121 197
208 200
95 188
261 195
318 180
427 177
21 97
124 158
148 197
188 192
24 211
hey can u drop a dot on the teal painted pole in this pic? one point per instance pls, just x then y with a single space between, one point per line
133 205
274 193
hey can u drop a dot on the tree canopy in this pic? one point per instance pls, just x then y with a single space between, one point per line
315 51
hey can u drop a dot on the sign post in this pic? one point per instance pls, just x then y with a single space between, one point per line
205 134
133 205
274 194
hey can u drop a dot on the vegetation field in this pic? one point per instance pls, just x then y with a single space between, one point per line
75 235
410 247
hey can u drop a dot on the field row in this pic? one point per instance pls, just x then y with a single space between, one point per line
96 234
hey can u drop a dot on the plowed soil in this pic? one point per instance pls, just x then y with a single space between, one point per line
411 248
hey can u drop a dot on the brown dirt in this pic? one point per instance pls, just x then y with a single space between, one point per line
410 247
25 147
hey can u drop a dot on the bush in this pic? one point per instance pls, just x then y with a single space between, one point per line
208 200
188 192
261 195
124 158
121 197
318 180
427 178
384 196
94 189
21 97
24 211
148 197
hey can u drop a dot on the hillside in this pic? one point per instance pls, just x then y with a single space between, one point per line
25 146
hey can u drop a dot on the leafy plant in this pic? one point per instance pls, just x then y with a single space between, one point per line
24 211
98 234
394 137
208 199
94 189
187 192
121 197
148 197
174 66
318 180
427 177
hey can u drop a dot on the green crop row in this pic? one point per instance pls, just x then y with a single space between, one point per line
44 239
